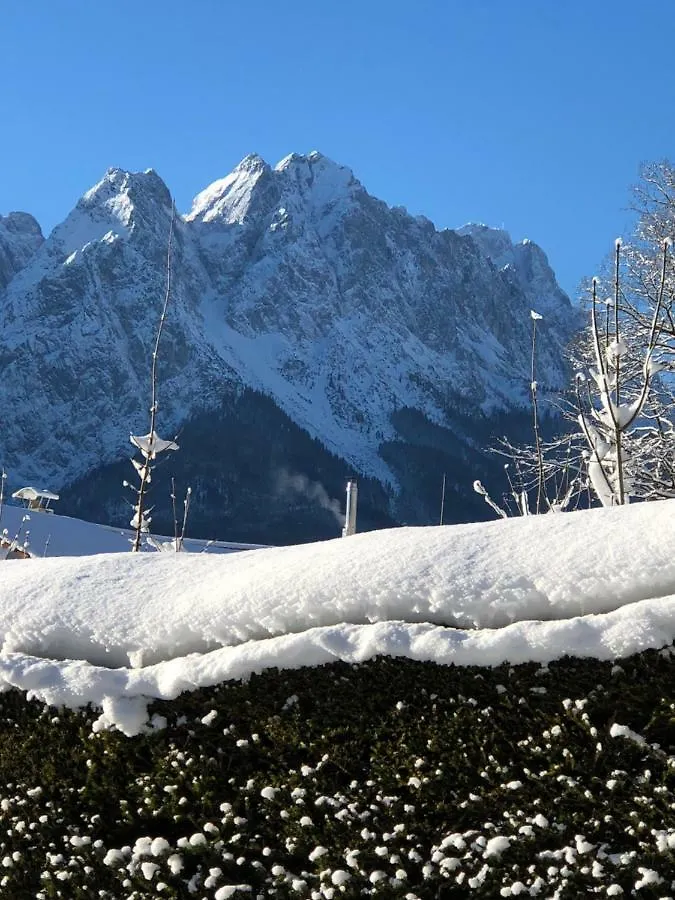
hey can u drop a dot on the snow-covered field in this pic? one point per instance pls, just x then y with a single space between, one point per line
48 534
118 629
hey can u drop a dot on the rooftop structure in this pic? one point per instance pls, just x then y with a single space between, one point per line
37 501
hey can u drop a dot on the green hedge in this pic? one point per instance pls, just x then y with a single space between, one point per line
392 779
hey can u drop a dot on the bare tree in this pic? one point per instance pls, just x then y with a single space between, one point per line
151 445
617 398
646 283
639 341
621 440
548 470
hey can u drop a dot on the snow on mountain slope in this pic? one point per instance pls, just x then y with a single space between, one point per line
292 280
78 326
344 309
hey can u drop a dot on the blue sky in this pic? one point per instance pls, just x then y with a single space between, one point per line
528 114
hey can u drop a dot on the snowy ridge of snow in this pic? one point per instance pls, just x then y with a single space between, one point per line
649 624
122 627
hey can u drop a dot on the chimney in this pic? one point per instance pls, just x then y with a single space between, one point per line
350 513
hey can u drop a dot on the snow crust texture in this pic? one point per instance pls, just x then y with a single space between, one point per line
115 630
292 280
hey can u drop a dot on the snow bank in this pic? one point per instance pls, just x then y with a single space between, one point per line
121 627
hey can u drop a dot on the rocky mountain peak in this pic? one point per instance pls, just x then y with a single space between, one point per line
119 204
525 264
316 179
21 223
20 238
120 191
496 243
254 190
232 199
251 163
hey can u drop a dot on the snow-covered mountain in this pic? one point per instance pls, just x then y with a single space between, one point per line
291 281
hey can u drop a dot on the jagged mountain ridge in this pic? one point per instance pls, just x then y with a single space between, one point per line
290 280
20 237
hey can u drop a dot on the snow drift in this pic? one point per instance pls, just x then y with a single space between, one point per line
115 630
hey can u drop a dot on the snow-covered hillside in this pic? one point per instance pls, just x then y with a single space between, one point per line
291 280
116 630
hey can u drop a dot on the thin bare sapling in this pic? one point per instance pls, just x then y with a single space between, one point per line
548 470
150 445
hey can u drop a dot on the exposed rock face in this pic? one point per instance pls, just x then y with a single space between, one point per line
20 238
291 281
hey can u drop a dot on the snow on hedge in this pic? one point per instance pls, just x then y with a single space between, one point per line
115 630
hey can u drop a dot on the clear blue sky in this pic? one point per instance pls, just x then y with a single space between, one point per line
530 114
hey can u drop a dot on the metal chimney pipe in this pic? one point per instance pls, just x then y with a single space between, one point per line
350 512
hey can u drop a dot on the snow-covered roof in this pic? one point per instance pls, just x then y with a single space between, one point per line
30 493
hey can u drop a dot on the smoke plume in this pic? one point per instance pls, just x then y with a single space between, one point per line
289 483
